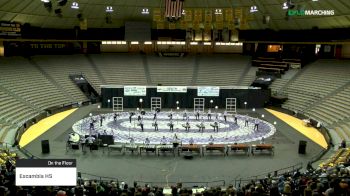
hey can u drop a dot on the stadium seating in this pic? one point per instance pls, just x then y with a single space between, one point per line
121 69
221 70
171 70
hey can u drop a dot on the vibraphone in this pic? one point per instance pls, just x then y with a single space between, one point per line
238 147
191 148
263 147
130 147
147 148
115 147
165 148
218 147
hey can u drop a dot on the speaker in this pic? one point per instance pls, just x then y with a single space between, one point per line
302 147
45 146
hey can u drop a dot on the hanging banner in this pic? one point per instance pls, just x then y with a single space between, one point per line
228 14
157 15
171 89
188 15
198 16
134 90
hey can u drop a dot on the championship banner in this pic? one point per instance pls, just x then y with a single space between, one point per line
183 24
196 25
219 25
188 15
172 25
207 26
160 25
157 15
228 14
208 17
198 16
219 18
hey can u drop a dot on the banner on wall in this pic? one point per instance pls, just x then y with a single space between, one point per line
171 89
208 91
134 90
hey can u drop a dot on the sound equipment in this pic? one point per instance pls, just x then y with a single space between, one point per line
75 146
106 139
45 146
302 147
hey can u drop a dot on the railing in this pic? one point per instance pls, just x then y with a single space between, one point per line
216 183
274 173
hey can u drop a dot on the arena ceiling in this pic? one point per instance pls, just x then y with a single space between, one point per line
34 12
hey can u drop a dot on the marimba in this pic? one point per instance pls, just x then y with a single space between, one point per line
130 147
165 148
238 147
115 147
147 148
190 148
263 147
218 147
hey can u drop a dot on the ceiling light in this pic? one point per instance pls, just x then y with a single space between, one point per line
218 11
253 9
147 42
145 11
75 5
183 12
109 9
45 1
314 0
285 6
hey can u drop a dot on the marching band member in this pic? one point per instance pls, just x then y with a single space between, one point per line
185 115
171 114
197 115
191 141
211 140
155 114
141 124
163 140
155 124
209 114
201 126
246 121
171 125
256 124
225 115
216 126
147 142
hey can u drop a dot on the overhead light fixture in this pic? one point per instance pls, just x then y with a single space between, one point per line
253 9
145 11
218 11
109 9
285 6
183 12
75 5
45 1
314 0
147 42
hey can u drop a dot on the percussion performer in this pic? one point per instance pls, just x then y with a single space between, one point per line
184 115
147 142
176 141
89 141
163 141
201 126
256 124
225 115
209 114
216 126
141 124
101 120
155 114
139 117
211 140
155 124
171 125
197 115
191 141
187 126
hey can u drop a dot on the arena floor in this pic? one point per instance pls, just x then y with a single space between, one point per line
167 168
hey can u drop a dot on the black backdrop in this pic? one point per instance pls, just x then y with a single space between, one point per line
255 98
